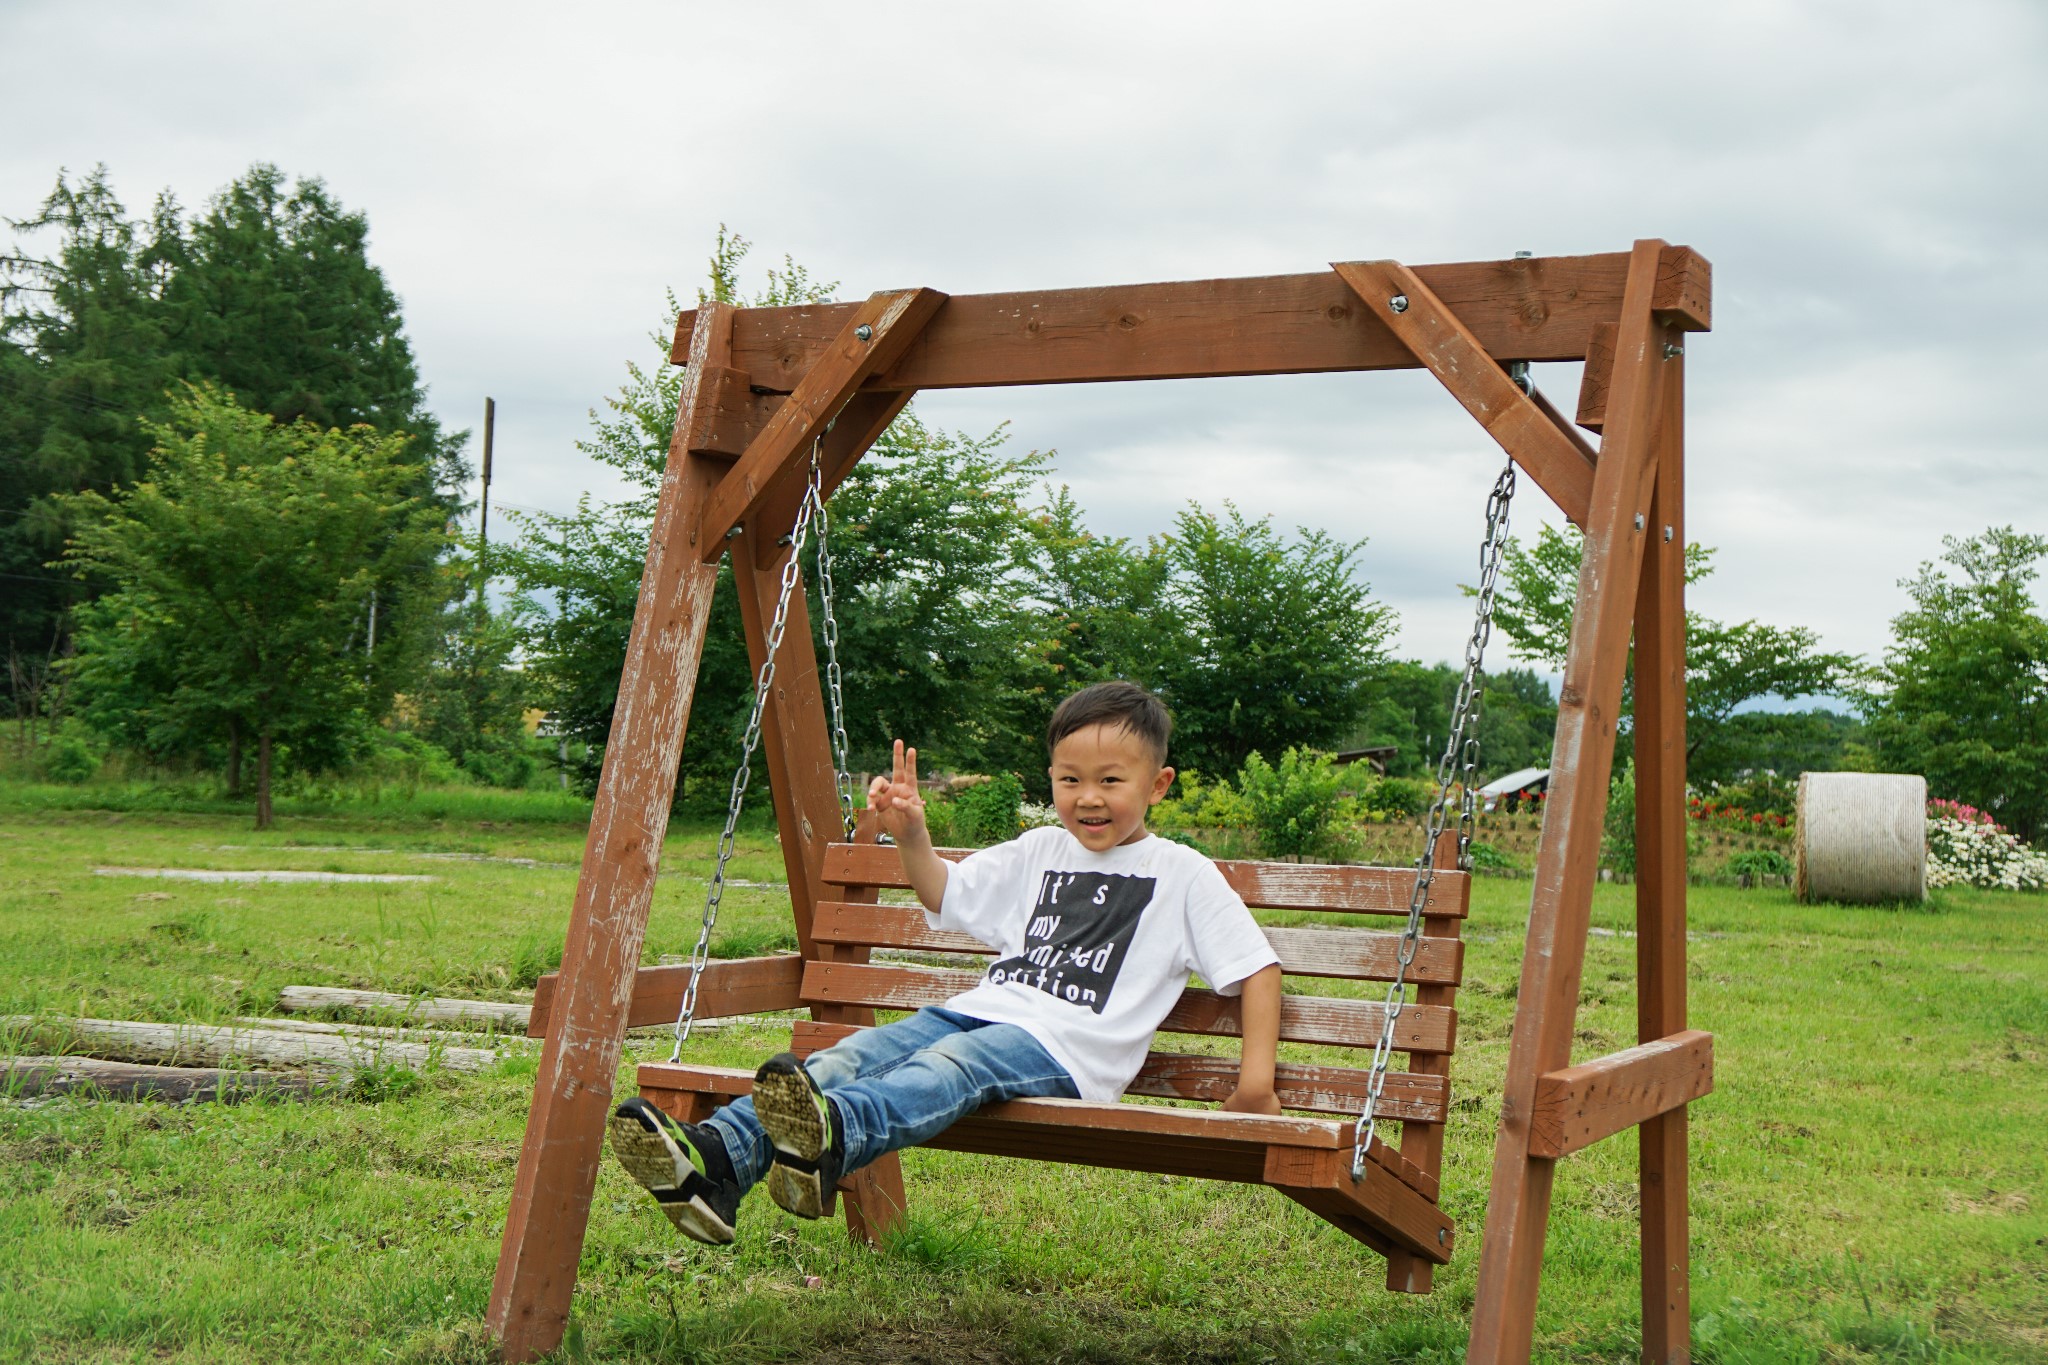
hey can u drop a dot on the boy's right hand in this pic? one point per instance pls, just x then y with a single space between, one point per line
899 805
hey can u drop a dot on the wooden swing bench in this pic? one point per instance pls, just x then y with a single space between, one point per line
1392 1210
779 404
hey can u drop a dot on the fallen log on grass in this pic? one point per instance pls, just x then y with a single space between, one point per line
507 1015
121 1081
125 1040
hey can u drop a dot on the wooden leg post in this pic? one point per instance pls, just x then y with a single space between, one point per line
1423 1143
1518 1207
798 750
1660 878
572 1094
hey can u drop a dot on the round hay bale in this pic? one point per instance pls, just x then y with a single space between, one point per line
1862 838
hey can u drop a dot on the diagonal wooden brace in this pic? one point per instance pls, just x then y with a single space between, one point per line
871 341
1529 433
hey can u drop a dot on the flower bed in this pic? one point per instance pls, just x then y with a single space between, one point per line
1966 847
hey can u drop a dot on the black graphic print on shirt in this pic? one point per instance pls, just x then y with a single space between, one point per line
1079 934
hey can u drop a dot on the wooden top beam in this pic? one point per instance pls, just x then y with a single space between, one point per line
1531 308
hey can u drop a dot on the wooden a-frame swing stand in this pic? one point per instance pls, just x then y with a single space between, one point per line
761 385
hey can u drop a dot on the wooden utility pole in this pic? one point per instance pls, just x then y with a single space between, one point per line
483 529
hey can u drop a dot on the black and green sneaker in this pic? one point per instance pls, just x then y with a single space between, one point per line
683 1165
809 1147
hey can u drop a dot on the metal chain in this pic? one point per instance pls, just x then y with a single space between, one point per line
792 572
829 627
1460 756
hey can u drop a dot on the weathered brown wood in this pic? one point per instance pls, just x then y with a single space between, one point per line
1263 886
328 1047
1539 308
1423 1143
1414 1223
502 1014
857 427
1598 376
1660 748
798 756
873 335
572 1093
1582 1104
1684 297
90 1076
1346 954
728 413
1408 1096
1448 349
1518 1207
746 985
1206 1142
1303 1019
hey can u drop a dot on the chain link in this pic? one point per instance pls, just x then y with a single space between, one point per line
1460 759
792 572
842 778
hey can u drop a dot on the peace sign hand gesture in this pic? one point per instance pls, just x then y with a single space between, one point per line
898 803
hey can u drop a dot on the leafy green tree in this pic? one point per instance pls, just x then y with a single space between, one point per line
1962 695
247 566
1727 665
471 698
1269 643
82 354
269 292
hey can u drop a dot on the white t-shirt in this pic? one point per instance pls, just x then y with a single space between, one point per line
1093 949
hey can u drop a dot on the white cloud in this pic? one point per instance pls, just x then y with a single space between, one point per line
1867 180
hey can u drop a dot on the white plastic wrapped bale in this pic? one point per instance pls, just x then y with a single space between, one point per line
1862 838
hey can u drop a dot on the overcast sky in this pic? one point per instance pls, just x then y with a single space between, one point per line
1869 180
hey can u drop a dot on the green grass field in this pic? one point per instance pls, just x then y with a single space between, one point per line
1868 1177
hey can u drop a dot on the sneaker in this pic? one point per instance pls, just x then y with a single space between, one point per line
683 1165
809 1147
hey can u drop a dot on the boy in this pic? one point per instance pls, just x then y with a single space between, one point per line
1096 926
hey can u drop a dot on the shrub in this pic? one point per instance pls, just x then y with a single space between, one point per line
1753 865
1396 798
1196 804
70 758
989 812
1295 807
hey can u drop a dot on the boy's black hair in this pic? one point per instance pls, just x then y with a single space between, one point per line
1124 705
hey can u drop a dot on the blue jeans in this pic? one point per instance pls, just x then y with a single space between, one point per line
897 1085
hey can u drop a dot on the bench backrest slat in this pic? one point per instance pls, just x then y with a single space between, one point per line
1303 1018
1263 886
1345 954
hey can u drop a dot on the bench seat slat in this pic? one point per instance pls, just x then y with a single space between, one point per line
1303 1019
1345 954
1265 886
1198 1142
1409 1097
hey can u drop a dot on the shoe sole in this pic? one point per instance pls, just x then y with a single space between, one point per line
788 1110
653 1159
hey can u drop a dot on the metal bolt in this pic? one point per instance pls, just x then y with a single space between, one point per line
1399 303
1639 521
1667 535
1441 1236
1672 350
785 540
1520 256
864 332
736 532
1518 370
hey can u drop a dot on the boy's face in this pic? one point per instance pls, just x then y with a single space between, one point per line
1104 779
